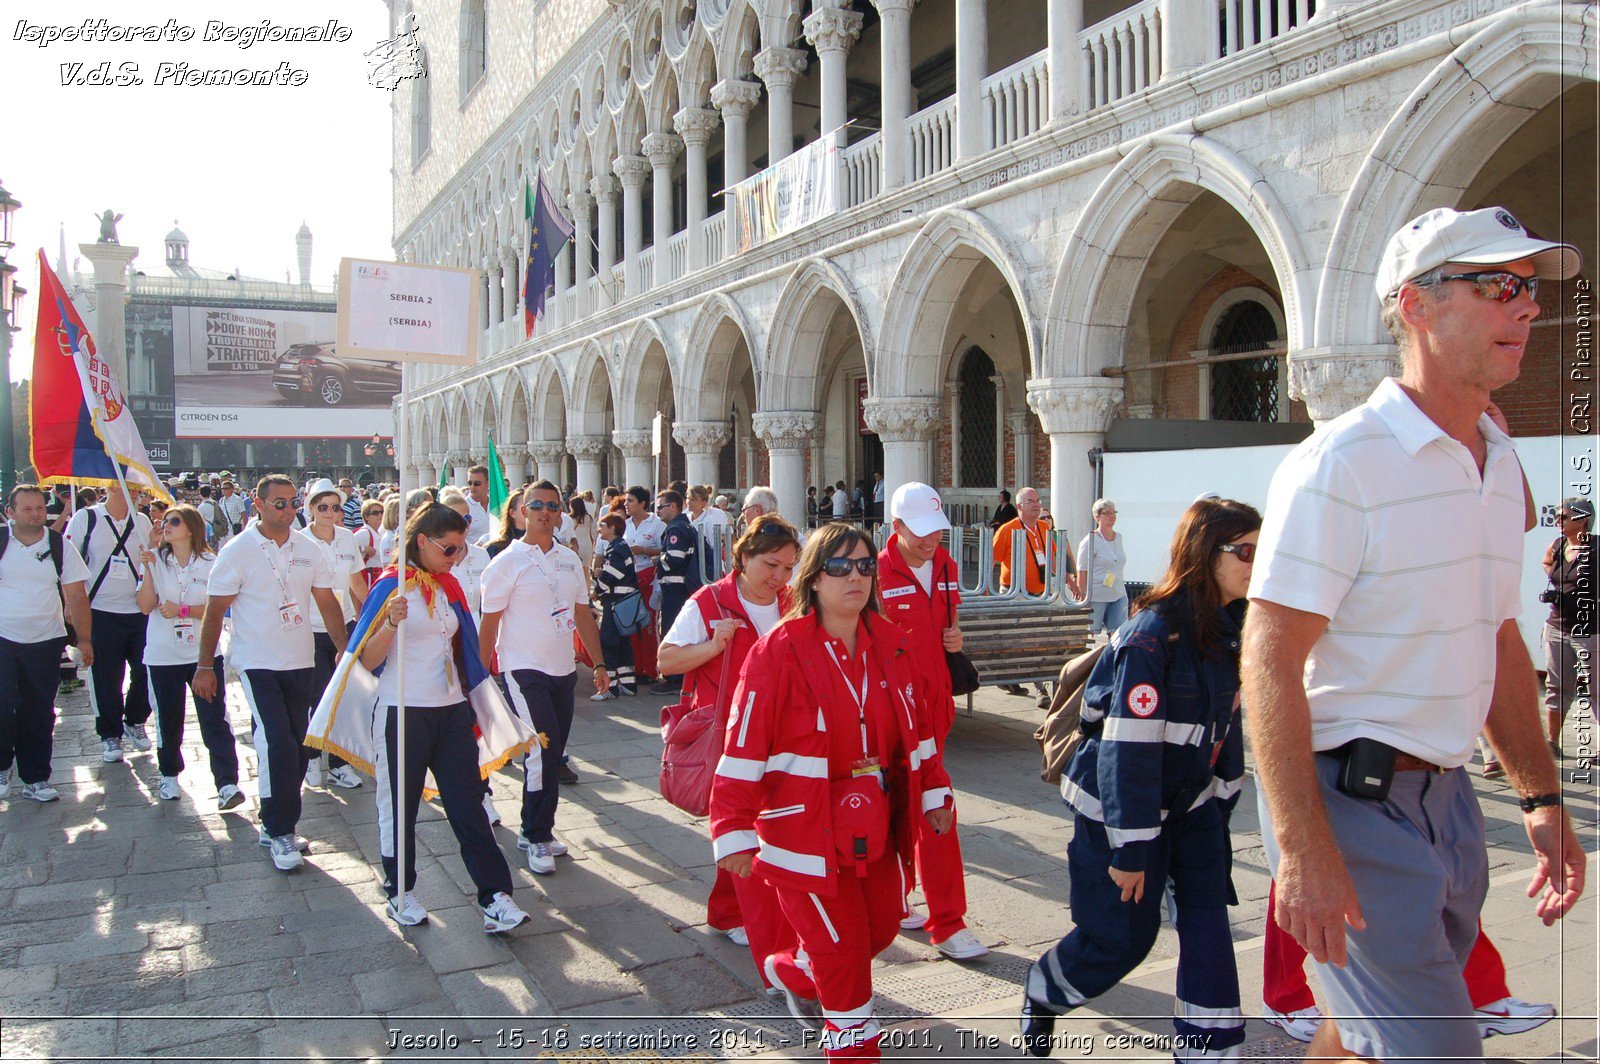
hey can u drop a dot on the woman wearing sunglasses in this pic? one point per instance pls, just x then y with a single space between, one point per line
1152 786
708 644
338 546
173 596
829 770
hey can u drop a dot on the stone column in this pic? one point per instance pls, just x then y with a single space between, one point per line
496 314
1066 59
588 451
831 31
702 443
972 66
788 434
779 68
555 314
436 468
1021 425
111 263
895 62
1334 380
511 285
1075 411
582 203
637 463
1188 36
695 125
662 150
735 99
548 453
906 427
631 170
514 459
604 189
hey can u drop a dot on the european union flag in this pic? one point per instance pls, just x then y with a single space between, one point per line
548 232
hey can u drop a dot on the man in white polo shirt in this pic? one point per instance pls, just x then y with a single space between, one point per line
34 562
1382 637
110 541
534 598
272 579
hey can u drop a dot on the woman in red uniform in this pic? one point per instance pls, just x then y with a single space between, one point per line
829 770
713 633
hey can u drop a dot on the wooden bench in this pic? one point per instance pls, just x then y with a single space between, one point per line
1021 643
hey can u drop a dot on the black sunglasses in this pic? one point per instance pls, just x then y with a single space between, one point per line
537 505
1502 286
447 549
173 522
841 566
278 504
1245 552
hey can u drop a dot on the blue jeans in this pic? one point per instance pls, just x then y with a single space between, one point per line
1108 616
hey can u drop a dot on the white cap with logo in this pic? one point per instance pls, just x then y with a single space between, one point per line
917 506
1488 237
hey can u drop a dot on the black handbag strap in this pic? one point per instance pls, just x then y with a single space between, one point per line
121 546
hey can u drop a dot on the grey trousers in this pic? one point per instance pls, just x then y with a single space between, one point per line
1569 671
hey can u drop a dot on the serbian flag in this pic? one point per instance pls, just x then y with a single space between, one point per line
548 232
79 420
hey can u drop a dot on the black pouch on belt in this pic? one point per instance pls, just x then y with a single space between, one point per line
1366 768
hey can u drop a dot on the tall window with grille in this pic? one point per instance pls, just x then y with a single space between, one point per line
976 427
421 111
1244 389
474 44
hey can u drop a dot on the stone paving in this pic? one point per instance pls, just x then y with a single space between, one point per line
136 929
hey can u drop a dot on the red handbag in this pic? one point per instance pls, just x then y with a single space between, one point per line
692 745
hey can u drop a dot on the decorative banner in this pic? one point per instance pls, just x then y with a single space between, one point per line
801 189
399 311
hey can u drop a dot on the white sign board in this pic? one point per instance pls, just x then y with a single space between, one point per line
399 311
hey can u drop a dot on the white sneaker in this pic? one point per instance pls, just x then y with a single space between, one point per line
137 735
229 797
285 854
344 776
913 921
110 750
603 696
502 914
558 848
1299 1024
807 1012
408 912
962 946
40 792
488 807
168 788
5 782
300 842
540 860
1512 1015
737 935
314 772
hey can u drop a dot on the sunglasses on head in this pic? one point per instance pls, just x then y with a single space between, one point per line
538 504
840 566
447 549
1245 552
1502 286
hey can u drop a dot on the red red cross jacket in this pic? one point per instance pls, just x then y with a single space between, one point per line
716 601
923 616
771 791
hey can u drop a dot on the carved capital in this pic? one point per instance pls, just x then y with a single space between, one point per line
604 189
587 448
546 451
1074 404
903 420
889 8
631 169
477 455
661 148
780 66
633 443
580 203
696 124
786 430
515 456
701 437
734 97
437 461
832 29
1333 380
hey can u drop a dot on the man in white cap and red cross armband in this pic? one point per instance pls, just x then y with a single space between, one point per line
1377 648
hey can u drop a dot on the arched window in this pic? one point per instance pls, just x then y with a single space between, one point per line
977 425
1244 389
421 111
474 44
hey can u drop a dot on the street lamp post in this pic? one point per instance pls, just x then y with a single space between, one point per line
10 297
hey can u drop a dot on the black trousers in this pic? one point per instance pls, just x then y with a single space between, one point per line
168 686
118 642
439 738
617 649
673 598
28 706
546 702
280 703
327 658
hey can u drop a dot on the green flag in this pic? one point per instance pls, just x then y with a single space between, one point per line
444 475
498 491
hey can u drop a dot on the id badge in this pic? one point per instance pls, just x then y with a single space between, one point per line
562 615
120 565
183 632
1110 580
1038 556
290 617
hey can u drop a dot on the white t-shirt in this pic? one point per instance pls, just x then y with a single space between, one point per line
387 540
924 575
30 608
431 674
646 533
344 561
690 627
118 592
841 504
469 574
368 539
540 594
176 641
265 578
710 518
481 524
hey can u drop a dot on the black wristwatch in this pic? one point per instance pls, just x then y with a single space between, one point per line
1539 801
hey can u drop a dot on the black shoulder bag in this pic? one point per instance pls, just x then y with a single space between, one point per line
964 677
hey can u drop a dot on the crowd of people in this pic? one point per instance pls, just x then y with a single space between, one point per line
1371 657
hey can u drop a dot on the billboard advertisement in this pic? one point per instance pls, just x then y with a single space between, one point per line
243 372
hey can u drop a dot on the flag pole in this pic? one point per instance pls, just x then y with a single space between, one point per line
94 413
400 657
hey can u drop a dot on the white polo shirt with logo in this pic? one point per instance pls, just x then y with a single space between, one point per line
30 608
343 556
540 593
1381 523
118 592
176 640
264 577
646 533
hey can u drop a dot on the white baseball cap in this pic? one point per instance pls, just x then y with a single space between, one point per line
917 506
1487 237
323 487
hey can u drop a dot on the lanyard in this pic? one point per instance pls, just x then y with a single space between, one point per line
178 572
283 583
860 697
537 558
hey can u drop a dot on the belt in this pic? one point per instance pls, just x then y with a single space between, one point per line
1410 763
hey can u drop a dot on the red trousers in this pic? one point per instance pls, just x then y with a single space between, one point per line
645 639
751 902
1283 968
839 936
942 875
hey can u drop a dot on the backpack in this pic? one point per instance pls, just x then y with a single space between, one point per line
1060 733
217 525
58 543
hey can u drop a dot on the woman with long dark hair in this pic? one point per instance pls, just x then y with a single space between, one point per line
511 526
1152 787
829 770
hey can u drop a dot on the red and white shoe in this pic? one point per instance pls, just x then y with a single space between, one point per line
1512 1015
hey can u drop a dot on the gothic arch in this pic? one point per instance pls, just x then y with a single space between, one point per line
794 366
514 417
592 390
548 401
641 374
